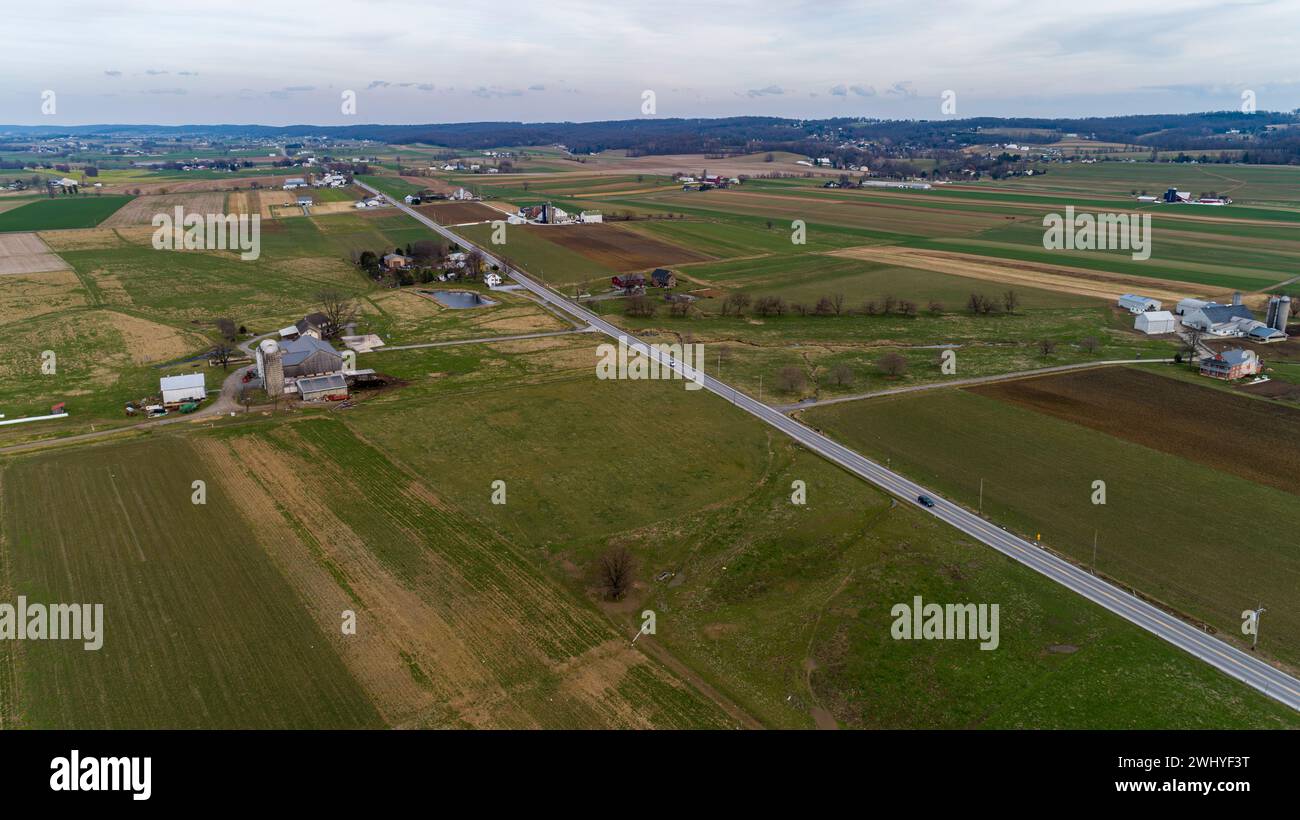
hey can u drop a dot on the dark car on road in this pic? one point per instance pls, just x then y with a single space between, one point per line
925 500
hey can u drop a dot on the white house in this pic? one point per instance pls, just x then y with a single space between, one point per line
492 280
1155 322
178 389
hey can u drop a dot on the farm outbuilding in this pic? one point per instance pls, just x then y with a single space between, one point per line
333 387
1134 303
309 356
1221 320
178 389
1156 322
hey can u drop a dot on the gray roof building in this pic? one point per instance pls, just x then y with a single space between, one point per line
309 356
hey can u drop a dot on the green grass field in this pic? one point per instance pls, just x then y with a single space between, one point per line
209 607
64 212
1038 473
784 608
200 628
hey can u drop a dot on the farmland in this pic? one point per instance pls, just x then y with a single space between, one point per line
1250 439
26 253
1037 473
66 212
453 629
476 613
782 609
186 598
124 308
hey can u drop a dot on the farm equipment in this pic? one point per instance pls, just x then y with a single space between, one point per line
154 411
61 407
189 407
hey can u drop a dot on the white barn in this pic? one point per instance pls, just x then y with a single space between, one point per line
1134 303
1155 322
179 389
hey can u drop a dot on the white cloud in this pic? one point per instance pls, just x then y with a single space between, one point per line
885 58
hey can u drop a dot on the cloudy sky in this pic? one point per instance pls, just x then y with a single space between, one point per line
282 62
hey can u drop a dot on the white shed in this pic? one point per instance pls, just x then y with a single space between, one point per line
1134 303
178 389
1156 322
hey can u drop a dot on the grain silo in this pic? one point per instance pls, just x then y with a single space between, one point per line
270 366
1279 312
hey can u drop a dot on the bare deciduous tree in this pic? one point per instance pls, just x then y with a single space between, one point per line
892 364
1046 347
639 306
221 354
339 311
791 379
736 302
841 375
1010 301
616 569
1090 344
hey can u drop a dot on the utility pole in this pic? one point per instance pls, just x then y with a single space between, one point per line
1255 622
760 389
981 496
1094 552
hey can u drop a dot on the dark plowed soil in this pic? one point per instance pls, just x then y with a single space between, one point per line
1255 440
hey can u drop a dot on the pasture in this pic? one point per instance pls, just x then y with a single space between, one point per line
1037 473
783 609
455 628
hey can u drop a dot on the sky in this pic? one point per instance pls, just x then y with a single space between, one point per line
406 61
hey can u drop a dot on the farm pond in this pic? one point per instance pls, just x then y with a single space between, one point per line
458 298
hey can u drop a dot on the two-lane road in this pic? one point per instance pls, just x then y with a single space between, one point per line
1228 659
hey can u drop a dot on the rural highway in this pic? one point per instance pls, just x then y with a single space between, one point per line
1228 659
